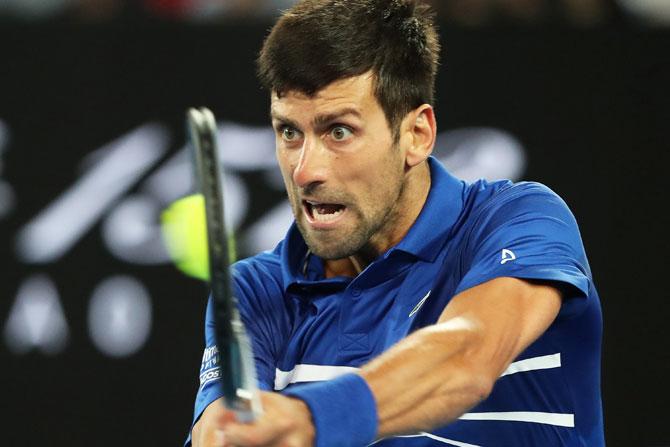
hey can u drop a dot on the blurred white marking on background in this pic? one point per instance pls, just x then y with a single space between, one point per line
246 148
132 230
58 227
36 320
173 180
474 153
267 231
119 316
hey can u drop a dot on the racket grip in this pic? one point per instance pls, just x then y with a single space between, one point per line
247 399
246 410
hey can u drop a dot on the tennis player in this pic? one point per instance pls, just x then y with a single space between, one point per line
404 305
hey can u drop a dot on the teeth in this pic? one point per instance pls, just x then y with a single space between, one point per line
325 217
322 212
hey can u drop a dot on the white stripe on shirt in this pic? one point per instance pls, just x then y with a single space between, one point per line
315 373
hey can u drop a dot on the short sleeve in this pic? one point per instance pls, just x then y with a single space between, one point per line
253 302
527 232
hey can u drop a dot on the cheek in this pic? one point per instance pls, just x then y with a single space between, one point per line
390 176
286 170
284 166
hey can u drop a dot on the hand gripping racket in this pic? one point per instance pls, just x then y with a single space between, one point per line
238 374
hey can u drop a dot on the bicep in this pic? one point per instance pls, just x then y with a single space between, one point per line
507 315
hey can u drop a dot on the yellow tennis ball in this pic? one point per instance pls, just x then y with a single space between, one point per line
184 231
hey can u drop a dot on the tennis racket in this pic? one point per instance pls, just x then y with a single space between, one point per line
238 374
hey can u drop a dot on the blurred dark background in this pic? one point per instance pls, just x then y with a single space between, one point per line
102 337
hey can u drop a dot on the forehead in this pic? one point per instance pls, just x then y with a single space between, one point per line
355 93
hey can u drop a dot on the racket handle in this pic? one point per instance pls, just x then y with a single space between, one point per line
248 406
247 403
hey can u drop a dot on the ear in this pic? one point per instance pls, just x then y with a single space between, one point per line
421 130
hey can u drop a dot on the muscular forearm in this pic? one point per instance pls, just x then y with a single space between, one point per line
428 379
440 372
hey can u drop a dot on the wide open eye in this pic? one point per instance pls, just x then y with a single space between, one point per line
341 133
289 133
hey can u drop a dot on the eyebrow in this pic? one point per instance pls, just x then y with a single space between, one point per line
322 120
284 121
319 120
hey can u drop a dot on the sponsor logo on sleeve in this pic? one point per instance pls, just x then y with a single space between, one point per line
209 368
210 358
209 375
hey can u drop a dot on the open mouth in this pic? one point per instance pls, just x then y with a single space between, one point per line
323 212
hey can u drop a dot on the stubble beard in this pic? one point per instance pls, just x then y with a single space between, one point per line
342 243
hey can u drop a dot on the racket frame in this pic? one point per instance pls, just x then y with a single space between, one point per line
237 371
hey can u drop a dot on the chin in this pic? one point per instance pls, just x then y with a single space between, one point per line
329 251
331 245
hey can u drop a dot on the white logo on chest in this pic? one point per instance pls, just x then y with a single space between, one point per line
419 304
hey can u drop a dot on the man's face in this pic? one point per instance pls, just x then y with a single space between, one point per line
342 170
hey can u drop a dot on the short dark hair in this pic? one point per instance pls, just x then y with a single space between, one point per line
317 42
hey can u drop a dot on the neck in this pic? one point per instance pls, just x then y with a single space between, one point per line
401 218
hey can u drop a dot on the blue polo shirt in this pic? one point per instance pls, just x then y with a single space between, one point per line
307 328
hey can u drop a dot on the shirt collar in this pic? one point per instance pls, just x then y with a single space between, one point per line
439 214
424 239
300 268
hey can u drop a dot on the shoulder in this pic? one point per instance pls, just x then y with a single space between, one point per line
484 192
491 202
524 230
520 214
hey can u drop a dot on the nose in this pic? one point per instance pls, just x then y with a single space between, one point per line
312 165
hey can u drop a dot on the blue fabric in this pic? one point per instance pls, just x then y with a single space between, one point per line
343 410
466 234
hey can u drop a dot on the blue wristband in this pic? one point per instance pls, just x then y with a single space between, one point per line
343 410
